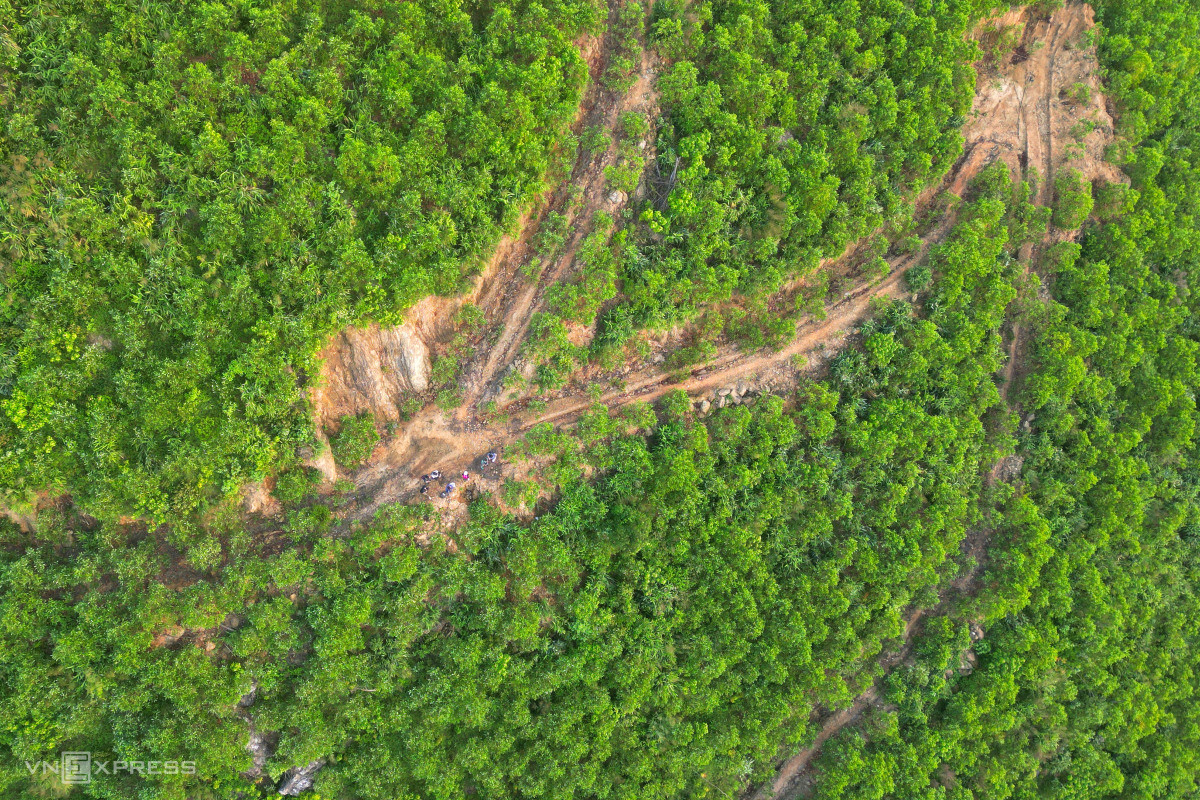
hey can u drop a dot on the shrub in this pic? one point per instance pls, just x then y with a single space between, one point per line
918 278
353 443
1072 199
595 140
634 125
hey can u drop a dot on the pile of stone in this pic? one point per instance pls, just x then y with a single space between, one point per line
741 393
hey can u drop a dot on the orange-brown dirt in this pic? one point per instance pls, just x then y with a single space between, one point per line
1028 111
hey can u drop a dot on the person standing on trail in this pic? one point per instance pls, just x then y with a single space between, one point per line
437 473
424 490
466 475
491 457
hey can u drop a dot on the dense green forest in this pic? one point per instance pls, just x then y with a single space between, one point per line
798 128
195 197
194 203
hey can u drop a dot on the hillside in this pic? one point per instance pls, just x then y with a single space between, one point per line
839 362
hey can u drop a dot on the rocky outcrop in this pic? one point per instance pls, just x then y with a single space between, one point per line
261 747
371 369
299 779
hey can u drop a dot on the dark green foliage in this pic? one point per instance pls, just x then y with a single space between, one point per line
354 441
790 130
293 486
918 278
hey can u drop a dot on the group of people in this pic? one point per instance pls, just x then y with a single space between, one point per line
436 475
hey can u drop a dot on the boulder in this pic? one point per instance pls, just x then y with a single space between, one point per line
260 747
300 779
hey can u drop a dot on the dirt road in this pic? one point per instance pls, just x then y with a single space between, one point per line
1020 116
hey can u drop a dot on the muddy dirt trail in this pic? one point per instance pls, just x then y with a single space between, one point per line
1021 115
433 441
482 381
787 781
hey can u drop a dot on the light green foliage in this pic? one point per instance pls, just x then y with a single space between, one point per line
470 319
576 302
634 125
1079 93
1072 199
622 177
625 30
918 278
997 42
518 494
449 398
790 130
551 235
